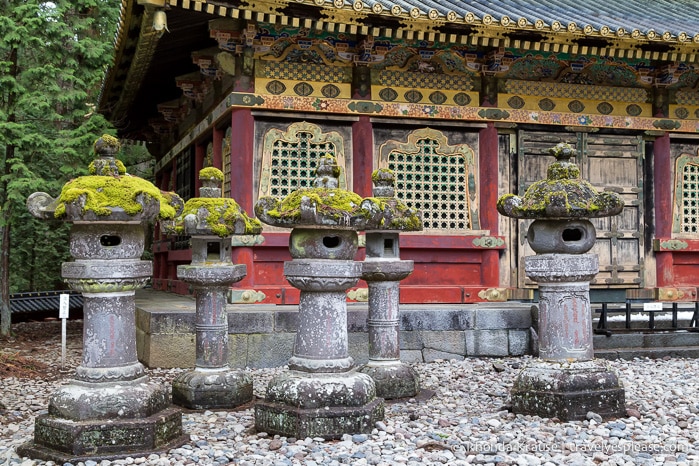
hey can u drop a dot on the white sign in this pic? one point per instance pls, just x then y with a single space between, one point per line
64 308
652 306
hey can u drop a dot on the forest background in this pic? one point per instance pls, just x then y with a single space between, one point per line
53 58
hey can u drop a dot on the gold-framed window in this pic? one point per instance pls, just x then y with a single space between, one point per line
436 178
289 157
686 209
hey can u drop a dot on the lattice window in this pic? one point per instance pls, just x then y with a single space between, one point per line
686 218
226 162
690 198
435 178
184 185
289 158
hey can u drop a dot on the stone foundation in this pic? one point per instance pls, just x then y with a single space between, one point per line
568 390
212 389
67 441
263 335
323 405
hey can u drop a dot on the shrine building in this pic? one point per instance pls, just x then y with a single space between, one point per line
461 99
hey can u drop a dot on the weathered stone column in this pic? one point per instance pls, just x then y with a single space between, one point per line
383 270
110 409
566 382
321 395
210 220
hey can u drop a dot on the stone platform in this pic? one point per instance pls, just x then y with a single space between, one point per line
262 335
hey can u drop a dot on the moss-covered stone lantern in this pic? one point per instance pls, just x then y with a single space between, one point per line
210 220
110 397
383 270
566 382
321 395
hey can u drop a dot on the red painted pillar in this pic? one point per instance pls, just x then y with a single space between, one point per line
662 172
488 185
218 156
363 156
242 176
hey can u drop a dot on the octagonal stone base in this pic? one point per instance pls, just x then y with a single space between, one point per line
82 401
304 405
212 389
568 390
394 380
67 441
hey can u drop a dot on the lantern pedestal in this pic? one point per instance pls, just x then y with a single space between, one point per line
212 384
321 395
110 409
566 382
393 378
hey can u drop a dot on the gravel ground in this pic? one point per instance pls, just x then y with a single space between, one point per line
465 422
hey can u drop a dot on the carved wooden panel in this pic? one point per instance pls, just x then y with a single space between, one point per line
615 163
609 162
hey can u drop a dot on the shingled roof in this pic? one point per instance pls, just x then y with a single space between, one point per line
147 62
663 20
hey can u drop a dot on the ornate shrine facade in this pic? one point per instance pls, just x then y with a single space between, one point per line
460 102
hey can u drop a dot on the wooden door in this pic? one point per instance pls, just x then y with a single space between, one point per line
609 162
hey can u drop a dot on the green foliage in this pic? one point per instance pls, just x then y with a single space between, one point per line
53 56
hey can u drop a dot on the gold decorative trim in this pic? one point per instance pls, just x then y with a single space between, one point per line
493 294
246 240
236 296
359 294
671 294
488 242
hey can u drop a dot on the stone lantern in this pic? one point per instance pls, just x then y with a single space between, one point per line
383 270
210 220
321 395
566 382
110 409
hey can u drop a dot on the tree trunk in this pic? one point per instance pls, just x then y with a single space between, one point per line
5 214
5 315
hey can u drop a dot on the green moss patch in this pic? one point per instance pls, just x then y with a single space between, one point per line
104 193
399 215
106 167
333 203
223 216
211 173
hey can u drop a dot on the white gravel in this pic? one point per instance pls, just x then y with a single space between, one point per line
465 422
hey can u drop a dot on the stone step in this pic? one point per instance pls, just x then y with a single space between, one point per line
653 353
646 340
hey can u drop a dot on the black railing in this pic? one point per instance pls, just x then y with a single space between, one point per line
43 301
643 315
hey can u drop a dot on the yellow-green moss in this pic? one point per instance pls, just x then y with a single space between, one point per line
404 217
102 194
329 160
108 141
329 202
382 174
106 169
223 215
211 173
